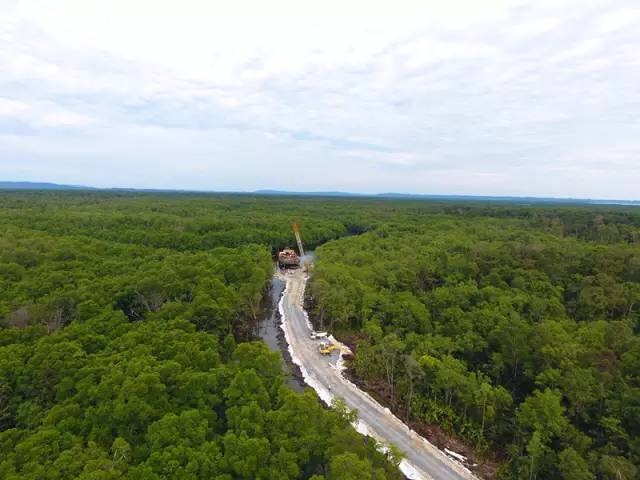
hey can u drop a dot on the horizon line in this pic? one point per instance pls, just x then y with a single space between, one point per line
33 185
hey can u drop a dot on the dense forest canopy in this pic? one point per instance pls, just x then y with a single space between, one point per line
126 347
517 332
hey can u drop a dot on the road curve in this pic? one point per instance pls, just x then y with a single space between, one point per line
422 459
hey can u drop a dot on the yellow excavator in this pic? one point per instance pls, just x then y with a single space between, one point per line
326 348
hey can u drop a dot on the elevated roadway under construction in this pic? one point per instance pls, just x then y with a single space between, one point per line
422 459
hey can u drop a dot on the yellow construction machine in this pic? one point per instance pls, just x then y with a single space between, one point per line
326 348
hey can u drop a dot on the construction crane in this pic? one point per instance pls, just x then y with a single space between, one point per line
296 231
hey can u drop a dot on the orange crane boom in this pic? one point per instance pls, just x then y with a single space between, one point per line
296 231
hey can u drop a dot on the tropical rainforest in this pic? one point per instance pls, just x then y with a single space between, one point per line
127 346
515 328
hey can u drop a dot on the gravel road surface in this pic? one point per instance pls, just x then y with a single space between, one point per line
422 459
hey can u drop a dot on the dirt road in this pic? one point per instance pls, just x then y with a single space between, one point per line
422 459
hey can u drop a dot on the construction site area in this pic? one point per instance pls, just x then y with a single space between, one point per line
288 258
320 358
289 261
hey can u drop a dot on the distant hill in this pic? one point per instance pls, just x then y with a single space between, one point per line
40 186
458 198
488 198
389 195
311 194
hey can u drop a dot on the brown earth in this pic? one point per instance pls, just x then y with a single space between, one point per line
485 468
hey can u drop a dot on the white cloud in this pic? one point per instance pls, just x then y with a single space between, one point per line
390 158
450 97
41 114
619 20
64 118
12 108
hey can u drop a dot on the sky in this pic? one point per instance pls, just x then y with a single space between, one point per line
456 97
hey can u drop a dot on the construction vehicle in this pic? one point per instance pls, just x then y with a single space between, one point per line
287 258
326 348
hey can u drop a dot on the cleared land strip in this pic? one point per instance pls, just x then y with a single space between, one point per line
422 459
